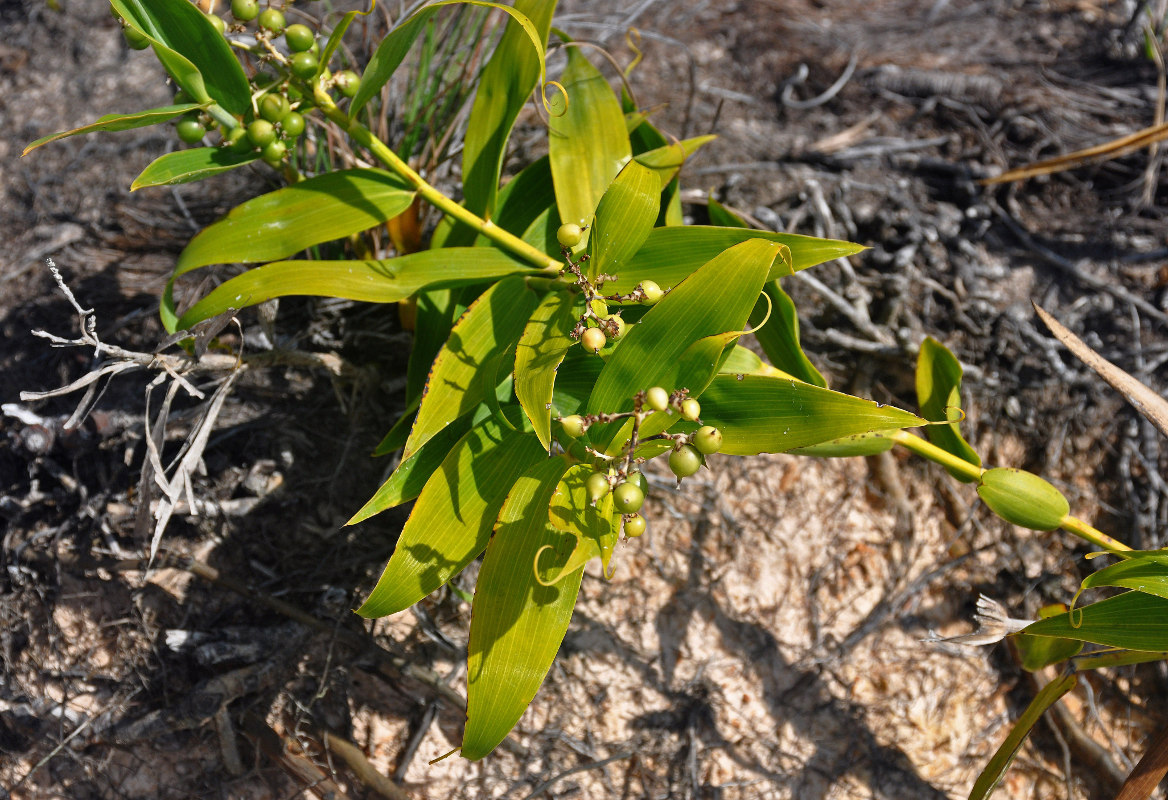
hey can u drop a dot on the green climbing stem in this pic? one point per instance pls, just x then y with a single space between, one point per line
925 449
363 136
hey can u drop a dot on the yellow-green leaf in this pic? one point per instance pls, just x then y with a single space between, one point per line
779 336
595 524
517 623
184 166
668 159
120 122
624 218
541 348
1133 620
939 396
1143 572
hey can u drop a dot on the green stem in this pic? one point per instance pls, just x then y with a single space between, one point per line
960 466
363 136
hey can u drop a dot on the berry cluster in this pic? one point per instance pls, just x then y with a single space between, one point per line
622 478
604 326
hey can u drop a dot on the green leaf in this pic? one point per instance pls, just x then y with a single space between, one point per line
1132 620
1042 651
412 474
286 221
624 218
517 623
393 48
938 394
595 525
434 318
740 360
858 444
715 299
385 281
1143 573
184 166
779 337
504 87
996 768
490 327
120 122
760 414
452 520
670 254
542 347
668 159
191 50
722 216
524 199
334 41
587 142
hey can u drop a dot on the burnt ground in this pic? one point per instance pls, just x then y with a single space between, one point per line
764 639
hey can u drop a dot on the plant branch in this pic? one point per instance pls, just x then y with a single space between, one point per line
363 136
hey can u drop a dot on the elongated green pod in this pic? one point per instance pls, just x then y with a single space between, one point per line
1023 498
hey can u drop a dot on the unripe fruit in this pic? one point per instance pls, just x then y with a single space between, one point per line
347 82
299 38
292 124
619 324
569 234
651 291
657 398
261 132
596 486
245 10
217 23
638 480
273 107
593 340
273 154
190 130
303 65
1023 498
685 461
634 526
573 425
135 40
628 498
708 440
235 139
272 21
691 409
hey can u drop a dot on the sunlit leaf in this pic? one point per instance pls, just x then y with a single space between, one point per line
858 444
194 164
939 396
595 524
779 336
517 623
668 159
1132 620
120 122
1144 573
624 218
542 347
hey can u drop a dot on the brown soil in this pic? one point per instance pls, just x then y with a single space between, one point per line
764 639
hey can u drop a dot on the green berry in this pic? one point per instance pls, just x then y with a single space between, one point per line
573 425
292 124
691 409
651 291
217 23
261 132
273 107
136 41
273 154
708 440
245 10
596 486
272 21
190 130
657 398
634 525
628 498
304 65
299 38
593 340
235 139
685 461
638 480
569 234
619 323
347 82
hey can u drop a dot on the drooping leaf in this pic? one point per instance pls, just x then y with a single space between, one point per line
779 336
452 520
542 347
517 623
195 54
194 164
1144 573
939 396
989 778
587 142
286 221
715 299
761 414
385 281
1133 620
119 122
668 159
624 218
670 254
491 326
412 474
595 524
504 87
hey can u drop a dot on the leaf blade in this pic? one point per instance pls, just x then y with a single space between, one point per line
119 122
542 347
192 164
938 382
